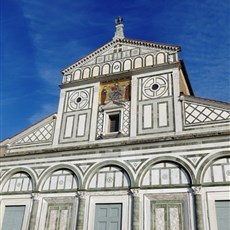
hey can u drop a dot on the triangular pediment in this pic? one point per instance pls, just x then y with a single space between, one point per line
40 133
200 111
118 51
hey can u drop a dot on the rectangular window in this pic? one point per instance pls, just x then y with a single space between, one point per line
108 217
114 123
13 217
223 214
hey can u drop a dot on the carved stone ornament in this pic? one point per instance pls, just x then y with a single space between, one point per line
35 196
134 192
81 194
196 190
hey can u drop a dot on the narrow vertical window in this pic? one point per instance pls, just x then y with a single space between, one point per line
114 123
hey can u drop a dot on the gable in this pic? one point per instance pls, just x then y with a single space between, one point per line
120 55
39 134
199 111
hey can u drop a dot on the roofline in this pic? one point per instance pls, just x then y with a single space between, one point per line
124 40
195 98
9 138
182 65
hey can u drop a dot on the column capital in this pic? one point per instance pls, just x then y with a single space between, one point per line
196 190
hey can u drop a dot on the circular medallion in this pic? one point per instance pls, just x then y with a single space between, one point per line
155 87
78 100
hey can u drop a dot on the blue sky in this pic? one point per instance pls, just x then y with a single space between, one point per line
40 38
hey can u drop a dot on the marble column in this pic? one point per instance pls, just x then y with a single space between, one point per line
135 209
81 211
34 211
198 208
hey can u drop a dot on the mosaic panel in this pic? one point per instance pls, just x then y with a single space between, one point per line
110 177
115 91
19 182
165 174
41 134
218 171
198 114
61 180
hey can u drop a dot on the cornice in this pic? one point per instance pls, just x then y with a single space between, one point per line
129 41
121 143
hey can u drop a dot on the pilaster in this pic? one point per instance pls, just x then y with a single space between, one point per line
81 210
198 208
135 210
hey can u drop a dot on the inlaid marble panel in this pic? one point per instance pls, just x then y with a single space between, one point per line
61 180
165 174
19 182
110 177
218 171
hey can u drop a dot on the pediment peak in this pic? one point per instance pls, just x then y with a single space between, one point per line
120 40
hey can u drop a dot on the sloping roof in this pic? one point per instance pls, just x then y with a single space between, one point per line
127 41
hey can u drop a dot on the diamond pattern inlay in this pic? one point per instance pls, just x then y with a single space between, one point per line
43 133
195 113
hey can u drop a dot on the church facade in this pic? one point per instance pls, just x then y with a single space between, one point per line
130 148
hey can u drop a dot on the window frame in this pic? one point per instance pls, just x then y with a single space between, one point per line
212 197
27 202
124 200
107 114
46 200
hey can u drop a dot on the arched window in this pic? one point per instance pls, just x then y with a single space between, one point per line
149 60
19 182
86 73
138 63
160 58
127 65
218 171
77 75
61 180
165 174
96 71
110 177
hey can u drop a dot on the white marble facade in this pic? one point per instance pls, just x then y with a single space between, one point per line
129 135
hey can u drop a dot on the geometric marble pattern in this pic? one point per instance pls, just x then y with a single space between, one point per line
165 174
126 115
60 180
100 122
196 113
135 164
19 182
218 171
155 87
194 159
125 119
79 100
58 216
168 215
110 177
43 133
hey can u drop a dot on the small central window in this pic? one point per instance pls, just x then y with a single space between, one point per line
114 123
